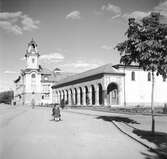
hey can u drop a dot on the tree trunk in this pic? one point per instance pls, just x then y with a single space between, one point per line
152 104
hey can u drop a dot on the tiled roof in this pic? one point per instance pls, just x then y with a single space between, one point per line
105 69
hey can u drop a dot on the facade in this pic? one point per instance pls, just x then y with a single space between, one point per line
110 85
34 82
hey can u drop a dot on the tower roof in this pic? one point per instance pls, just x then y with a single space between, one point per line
32 42
32 48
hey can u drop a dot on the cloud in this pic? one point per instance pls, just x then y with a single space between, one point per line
79 66
111 7
10 72
10 27
161 8
17 22
136 14
29 24
53 57
106 47
75 15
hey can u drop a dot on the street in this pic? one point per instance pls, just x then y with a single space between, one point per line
27 133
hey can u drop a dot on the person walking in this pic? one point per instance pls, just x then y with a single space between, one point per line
56 112
33 103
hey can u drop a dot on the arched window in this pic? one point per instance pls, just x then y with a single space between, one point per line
164 79
33 76
149 76
133 76
33 60
33 82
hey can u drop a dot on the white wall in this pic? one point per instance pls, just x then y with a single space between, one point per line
28 88
139 91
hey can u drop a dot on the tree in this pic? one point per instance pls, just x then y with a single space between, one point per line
6 97
146 45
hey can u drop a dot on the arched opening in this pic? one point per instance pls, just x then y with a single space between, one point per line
100 94
93 94
71 97
76 100
63 95
67 99
112 94
59 99
81 95
86 95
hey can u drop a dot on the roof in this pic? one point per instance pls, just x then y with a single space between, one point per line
45 71
18 79
105 69
27 70
128 66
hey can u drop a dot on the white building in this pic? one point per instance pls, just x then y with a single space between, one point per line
110 85
34 82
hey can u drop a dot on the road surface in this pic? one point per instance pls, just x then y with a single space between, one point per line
27 133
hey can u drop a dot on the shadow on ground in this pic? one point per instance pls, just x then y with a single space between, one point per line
158 138
118 119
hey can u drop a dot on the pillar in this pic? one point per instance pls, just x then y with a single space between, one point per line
84 96
69 97
73 97
90 95
97 95
105 97
78 97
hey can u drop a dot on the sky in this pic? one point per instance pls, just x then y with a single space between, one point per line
73 35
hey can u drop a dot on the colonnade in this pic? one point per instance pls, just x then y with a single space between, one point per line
84 95
93 94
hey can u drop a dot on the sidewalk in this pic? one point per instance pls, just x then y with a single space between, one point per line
137 127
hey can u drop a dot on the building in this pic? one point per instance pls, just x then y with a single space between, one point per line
111 85
35 81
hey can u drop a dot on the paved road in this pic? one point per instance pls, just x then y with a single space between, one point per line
27 133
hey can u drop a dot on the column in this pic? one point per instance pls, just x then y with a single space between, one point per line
84 96
69 97
78 97
90 95
58 97
73 97
97 95
105 97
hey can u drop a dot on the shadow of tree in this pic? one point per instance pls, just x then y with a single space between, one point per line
158 138
118 119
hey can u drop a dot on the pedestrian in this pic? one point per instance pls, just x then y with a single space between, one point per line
56 112
33 103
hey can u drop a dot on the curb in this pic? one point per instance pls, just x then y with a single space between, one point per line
126 133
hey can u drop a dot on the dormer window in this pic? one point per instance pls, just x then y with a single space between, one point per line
133 76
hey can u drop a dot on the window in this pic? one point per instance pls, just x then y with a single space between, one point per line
46 78
33 82
33 76
133 76
164 79
33 60
149 76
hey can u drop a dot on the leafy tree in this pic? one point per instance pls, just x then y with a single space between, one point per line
6 97
146 45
